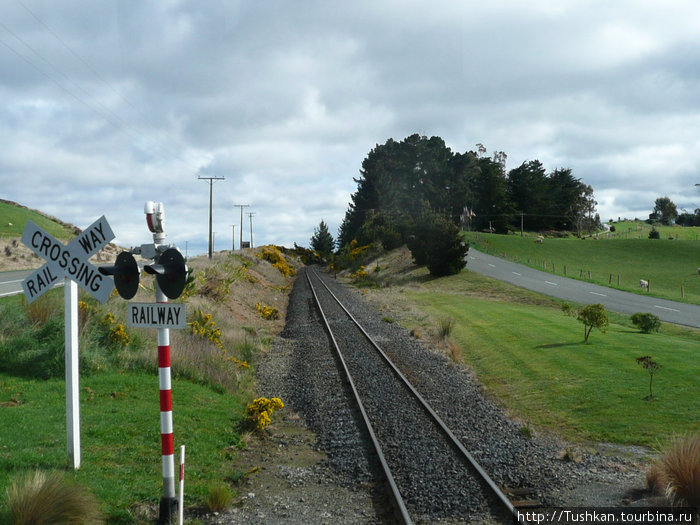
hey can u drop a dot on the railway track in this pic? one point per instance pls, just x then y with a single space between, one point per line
427 469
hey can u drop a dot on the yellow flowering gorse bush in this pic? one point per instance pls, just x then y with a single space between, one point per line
359 274
260 411
116 332
274 256
205 327
267 312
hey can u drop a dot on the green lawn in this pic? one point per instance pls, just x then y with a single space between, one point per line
533 359
669 266
120 427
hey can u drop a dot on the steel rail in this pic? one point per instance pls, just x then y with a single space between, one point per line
398 499
455 441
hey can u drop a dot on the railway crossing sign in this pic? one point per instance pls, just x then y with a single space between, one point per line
70 261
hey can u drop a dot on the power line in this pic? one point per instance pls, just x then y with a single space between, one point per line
250 215
211 184
241 206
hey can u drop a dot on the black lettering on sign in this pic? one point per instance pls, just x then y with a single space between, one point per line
34 241
45 245
96 282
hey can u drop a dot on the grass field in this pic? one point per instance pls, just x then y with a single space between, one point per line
533 359
120 427
671 267
640 230
17 217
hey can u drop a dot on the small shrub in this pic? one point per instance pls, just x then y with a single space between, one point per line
654 234
445 326
646 322
43 309
38 497
526 431
205 327
651 366
218 498
571 455
273 255
118 335
593 316
267 312
359 274
260 411
454 351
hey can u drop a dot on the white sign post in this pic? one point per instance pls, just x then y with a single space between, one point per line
71 263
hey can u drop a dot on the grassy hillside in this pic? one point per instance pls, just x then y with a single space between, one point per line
532 358
13 219
669 265
640 230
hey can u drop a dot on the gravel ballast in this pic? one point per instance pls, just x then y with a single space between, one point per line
302 369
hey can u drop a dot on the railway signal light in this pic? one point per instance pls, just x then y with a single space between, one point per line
170 271
126 274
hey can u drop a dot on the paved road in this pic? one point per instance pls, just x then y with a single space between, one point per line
11 282
582 292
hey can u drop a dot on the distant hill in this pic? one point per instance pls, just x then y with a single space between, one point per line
14 217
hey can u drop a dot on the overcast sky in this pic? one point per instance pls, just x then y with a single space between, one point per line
106 104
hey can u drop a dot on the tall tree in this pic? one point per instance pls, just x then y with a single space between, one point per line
665 210
528 192
491 202
322 241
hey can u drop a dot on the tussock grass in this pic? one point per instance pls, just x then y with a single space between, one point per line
218 498
43 308
39 497
680 465
445 326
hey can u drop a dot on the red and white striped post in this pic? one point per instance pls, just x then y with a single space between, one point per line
155 219
168 503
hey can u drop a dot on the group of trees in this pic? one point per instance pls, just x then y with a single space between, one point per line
399 180
666 212
420 193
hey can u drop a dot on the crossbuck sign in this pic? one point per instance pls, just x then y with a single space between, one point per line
69 261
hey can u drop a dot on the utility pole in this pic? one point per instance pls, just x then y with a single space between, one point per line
250 215
233 238
211 183
241 206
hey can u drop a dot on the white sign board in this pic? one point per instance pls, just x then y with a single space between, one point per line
156 315
69 261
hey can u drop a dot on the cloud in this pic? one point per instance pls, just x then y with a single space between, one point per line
108 104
